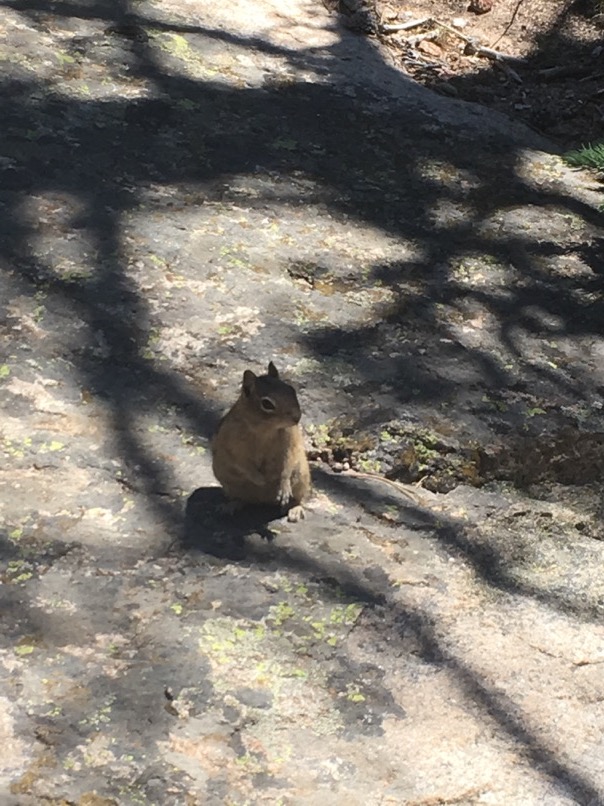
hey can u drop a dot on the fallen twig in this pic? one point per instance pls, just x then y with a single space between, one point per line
496 55
509 25
404 26
505 68
593 77
417 38
565 71
477 48
472 44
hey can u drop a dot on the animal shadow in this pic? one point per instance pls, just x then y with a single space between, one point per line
211 529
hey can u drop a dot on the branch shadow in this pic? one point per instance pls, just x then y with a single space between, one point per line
366 163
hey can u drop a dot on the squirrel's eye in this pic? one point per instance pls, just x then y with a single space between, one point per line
267 404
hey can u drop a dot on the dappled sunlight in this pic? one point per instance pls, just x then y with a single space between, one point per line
190 190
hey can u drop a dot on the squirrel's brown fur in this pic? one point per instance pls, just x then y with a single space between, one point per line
258 451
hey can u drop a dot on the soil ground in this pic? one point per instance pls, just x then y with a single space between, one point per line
554 82
191 189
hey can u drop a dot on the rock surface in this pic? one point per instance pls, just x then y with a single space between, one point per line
193 189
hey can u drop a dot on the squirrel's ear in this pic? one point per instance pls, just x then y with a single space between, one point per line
248 381
272 370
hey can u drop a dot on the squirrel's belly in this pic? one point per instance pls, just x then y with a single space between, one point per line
256 493
237 483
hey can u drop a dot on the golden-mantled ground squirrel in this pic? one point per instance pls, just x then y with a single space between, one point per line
258 451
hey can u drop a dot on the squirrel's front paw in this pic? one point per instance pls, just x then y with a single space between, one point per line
295 514
285 494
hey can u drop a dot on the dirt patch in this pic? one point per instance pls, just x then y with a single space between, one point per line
551 80
190 189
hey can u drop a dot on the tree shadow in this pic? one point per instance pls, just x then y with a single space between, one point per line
369 162
458 539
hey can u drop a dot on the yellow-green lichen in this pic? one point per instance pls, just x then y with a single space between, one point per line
64 58
280 613
24 649
51 447
353 693
101 716
369 465
19 571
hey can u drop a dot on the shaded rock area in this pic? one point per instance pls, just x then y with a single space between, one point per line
191 189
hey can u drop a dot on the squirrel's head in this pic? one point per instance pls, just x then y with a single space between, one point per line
271 401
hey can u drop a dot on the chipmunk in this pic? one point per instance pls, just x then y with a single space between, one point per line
258 451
